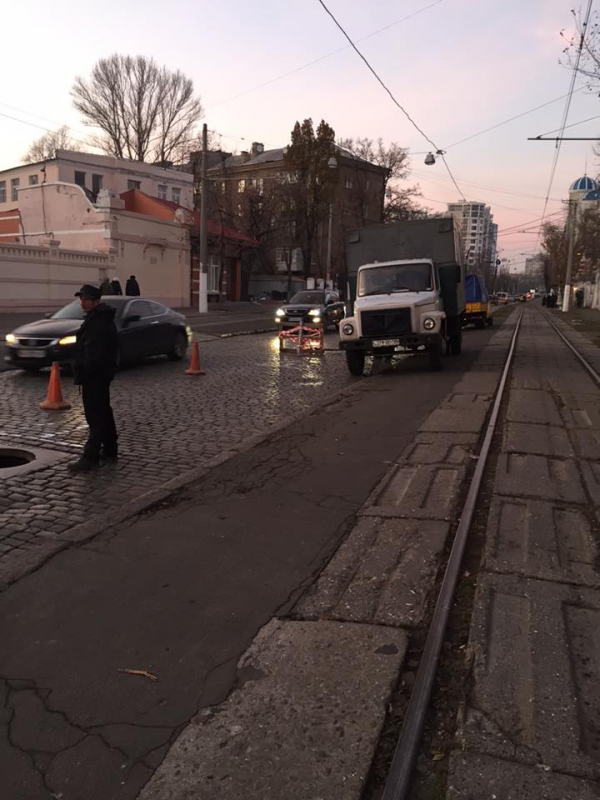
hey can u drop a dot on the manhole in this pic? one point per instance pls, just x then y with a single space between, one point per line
11 457
19 461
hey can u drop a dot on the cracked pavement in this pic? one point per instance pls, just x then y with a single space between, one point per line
181 591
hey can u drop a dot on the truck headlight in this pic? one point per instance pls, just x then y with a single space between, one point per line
280 312
10 338
68 340
428 324
348 329
314 312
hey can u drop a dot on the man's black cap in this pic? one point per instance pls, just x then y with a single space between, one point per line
87 290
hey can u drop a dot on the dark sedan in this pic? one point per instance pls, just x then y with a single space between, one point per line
145 328
313 307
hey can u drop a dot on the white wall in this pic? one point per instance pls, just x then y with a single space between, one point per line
45 278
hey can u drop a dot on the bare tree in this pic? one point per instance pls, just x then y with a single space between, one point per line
46 146
145 112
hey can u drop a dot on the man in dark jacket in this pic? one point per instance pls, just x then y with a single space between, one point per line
94 369
132 287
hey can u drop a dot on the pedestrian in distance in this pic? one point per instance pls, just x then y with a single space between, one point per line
94 369
105 287
579 295
116 286
132 287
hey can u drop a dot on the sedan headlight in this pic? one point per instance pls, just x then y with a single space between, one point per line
10 338
68 340
280 312
348 329
429 323
314 312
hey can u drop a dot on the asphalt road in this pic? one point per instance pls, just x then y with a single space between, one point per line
181 591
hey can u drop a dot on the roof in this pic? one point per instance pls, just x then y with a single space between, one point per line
277 154
583 184
593 195
142 203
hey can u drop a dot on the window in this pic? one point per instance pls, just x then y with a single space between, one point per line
176 194
260 185
2 191
241 186
96 184
80 178
223 187
34 180
131 184
348 183
140 307
156 309
161 190
14 186
214 271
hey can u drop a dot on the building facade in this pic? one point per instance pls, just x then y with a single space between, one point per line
245 191
94 173
479 234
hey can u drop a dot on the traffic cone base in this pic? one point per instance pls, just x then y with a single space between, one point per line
195 368
54 397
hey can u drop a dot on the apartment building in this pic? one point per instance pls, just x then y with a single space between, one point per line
479 234
96 172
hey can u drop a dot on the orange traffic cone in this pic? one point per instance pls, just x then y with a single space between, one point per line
195 368
54 399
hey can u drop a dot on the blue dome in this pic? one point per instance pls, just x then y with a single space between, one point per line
593 195
584 184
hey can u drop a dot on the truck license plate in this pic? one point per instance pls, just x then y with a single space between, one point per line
26 353
386 342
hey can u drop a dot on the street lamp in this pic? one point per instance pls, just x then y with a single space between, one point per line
430 158
332 164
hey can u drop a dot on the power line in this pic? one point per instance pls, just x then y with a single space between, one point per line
324 57
404 111
572 125
43 128
567 107
511 119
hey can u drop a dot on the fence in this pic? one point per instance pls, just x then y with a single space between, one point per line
42 278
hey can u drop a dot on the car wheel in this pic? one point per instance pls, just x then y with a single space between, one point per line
179 348
31 369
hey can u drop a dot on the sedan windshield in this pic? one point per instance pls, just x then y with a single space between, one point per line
395 278
308 298
71 311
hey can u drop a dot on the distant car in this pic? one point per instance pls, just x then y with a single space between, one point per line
145 328
502 298
312 307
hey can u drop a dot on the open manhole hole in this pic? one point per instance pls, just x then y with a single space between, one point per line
12 457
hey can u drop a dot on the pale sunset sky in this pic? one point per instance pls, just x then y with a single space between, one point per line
457 66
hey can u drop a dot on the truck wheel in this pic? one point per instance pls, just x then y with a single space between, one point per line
355 362
455 343
435 357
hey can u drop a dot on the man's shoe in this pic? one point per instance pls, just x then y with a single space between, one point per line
83 465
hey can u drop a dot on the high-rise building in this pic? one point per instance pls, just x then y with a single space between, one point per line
479 234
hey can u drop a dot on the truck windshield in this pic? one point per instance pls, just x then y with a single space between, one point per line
395 278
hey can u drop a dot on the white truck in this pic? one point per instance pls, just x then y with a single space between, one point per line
405 292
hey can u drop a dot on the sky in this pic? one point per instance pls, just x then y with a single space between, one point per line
458 67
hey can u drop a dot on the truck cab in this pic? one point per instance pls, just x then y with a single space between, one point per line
408 304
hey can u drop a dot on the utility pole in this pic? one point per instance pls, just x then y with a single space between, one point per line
203 266
567 294
329 238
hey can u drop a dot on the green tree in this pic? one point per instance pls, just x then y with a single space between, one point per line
311 180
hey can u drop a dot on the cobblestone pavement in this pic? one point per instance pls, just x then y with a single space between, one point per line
169 423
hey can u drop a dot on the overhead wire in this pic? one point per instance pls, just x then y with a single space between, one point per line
439 152
324 57
566 111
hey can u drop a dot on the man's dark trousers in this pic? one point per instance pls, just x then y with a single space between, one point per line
95 394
